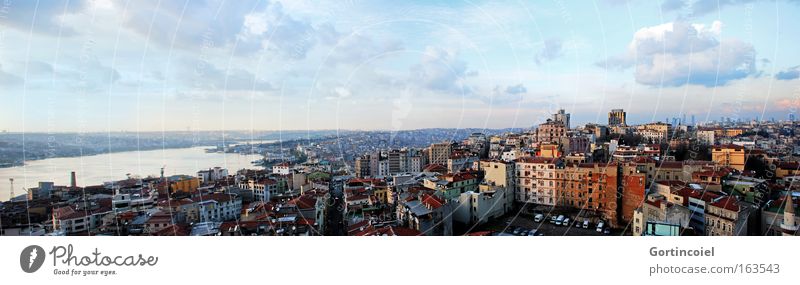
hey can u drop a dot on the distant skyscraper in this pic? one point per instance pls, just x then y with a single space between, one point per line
616 117
562 117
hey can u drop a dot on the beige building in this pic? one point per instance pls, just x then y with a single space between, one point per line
498 173
616 117
439 153
656 132
551 131
723 218
536 180
729 155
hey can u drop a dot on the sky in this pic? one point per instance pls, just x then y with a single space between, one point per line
97 66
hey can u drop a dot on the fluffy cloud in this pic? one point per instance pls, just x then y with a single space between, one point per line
678 53
20 14
516 89
251 25
787 104
86 75
441 70
789 73
339 93
83 75
510 94
204 75
356 48
552 49
8 79
699 7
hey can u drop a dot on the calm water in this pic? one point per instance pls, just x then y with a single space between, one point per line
96 169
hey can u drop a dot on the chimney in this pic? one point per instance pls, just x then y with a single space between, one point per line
72 181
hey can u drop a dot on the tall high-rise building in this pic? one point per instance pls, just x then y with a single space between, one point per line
439 153
562 117
362 166
616 117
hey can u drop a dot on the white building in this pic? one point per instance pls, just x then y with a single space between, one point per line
218 207
212 174
706 137
383 168
76 218
133 200
281 168
536 180
488 203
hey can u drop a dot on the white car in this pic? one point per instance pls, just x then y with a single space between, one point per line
565 222
538 218
600 227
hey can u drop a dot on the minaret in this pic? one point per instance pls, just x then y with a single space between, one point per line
789 225
12 189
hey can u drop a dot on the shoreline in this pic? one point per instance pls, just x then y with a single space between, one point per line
12 165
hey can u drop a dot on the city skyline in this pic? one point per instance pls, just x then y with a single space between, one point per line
96 66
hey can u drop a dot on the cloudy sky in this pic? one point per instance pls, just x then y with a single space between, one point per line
351 64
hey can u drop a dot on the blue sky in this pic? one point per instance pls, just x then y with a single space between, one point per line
269 65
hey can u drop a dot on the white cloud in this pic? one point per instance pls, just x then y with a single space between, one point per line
205 75
678 53
339 93
20 15
551 49
697 8
356 48
252 26
8 79
441 70
790 73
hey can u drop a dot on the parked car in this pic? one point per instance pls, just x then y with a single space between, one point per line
559 220
586 224
524 232
553 219
538 218
607 231
600 227
565 222
516 231
532 233
577 223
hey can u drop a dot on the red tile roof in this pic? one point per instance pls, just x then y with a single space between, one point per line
304 202
432 201
219 197
536 159
435 168
728 203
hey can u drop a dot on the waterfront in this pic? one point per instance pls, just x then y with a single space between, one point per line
96 169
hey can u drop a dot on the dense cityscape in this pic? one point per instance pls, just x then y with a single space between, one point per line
676 177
